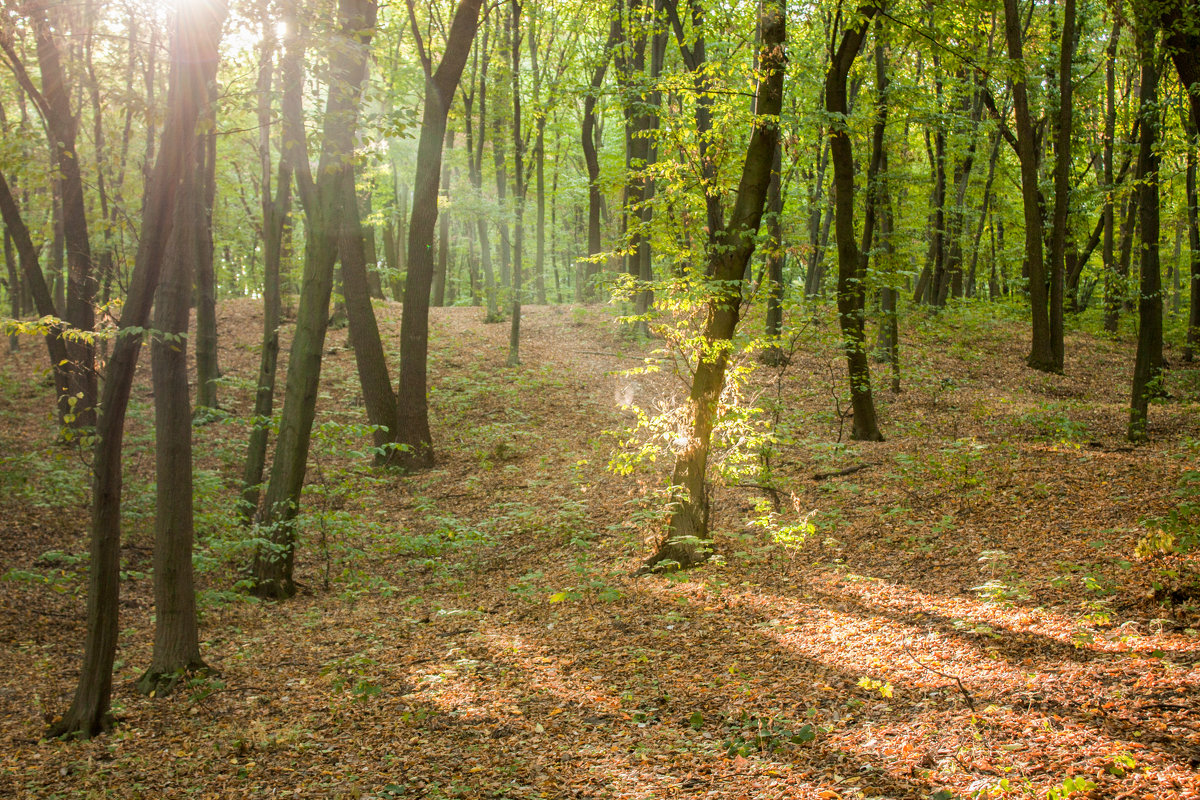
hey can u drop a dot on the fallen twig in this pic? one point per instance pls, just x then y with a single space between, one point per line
617 355
955 678
820 476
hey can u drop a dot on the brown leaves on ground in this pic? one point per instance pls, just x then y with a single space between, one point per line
967 620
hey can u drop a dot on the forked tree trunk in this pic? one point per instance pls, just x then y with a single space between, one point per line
688 540
271 573
585 288
276 231
194 55
1041 353
851 296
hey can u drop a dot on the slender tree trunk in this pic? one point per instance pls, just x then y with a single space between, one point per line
514 332
1149 363
412 428
176 628
1042 351
207 367
475 175
585 289
851 267
817 203
276 228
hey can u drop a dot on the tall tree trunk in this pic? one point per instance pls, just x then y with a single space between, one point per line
412 428
1041 354
585 287
514 332
1062 185
208 370
194 57
851 267
271 573
688 539
276 229
176 628
1193 226
1149 363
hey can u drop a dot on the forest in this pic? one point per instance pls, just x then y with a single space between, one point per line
632 399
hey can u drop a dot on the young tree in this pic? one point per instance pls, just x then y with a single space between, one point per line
275 229
729 247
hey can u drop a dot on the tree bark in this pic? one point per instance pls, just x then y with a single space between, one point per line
412 425
1041 354
194 56
1148 364
851 294
688 540
276 230
271 573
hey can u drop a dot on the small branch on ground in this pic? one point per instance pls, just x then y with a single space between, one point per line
820 476
955 678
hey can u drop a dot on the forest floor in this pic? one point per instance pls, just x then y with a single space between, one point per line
968 617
